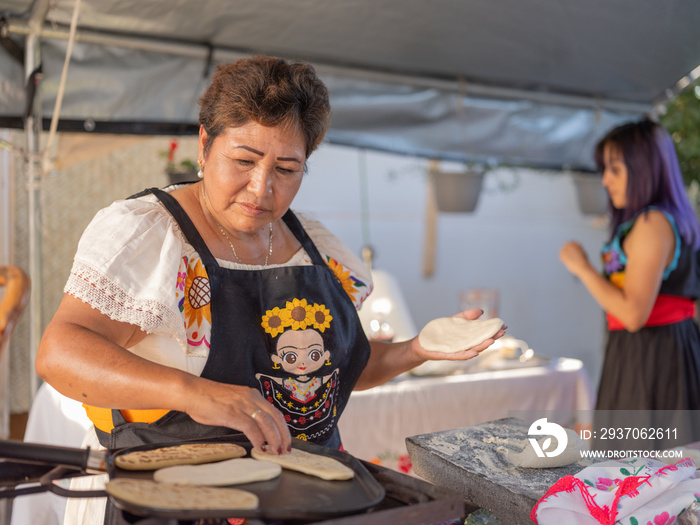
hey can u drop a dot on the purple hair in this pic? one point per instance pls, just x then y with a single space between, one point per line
653 176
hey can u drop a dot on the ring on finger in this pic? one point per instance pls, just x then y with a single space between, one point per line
255 414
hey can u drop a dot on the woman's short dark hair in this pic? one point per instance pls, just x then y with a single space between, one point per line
269 91
653 175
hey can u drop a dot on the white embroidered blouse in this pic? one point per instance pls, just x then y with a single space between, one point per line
134 265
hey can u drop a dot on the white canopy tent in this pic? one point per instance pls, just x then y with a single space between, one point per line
516 82
500 82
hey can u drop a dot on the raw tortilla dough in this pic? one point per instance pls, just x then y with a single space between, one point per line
184 454
229 472
322 467
454 334
571 454
153 495
687 452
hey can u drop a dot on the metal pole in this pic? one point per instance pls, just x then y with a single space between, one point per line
32 129
6 238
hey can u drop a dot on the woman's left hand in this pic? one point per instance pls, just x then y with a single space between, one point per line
388 360
573 256
462 355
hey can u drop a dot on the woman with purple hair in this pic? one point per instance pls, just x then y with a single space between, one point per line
651 275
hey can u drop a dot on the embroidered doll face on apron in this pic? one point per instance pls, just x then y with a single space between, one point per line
308 386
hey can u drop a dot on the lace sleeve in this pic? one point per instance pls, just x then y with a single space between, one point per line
126 266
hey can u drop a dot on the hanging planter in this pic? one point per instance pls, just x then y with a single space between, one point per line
178 174
182 171
457 192
592 197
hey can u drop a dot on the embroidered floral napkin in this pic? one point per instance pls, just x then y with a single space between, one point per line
635 491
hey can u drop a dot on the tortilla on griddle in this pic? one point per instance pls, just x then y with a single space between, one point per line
228 472
184 454
153 495
323 467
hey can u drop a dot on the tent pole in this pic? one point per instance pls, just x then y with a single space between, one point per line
33 169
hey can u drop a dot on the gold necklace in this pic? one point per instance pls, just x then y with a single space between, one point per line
223 232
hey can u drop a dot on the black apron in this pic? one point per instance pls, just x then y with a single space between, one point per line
251 312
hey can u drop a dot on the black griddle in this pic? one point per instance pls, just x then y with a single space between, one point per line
291 496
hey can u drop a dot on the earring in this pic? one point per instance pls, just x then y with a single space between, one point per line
199 171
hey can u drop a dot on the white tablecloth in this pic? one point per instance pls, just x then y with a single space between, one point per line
54 420
376 422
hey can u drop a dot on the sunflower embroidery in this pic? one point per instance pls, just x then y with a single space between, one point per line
321 317
299 314
197 303
346 279
273 322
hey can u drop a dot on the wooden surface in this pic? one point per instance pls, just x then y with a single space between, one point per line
18 424
15 297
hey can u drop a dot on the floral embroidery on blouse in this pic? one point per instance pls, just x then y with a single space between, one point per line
614 258
196 302
180 284
350 283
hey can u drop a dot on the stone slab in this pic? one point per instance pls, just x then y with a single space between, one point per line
475 462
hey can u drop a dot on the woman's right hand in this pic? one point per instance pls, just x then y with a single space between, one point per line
240 408
84 355
574 257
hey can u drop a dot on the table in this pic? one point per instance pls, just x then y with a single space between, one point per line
377 421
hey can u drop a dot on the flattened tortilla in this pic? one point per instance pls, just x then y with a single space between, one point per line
454 334
322 467
229 472
153 495
184 454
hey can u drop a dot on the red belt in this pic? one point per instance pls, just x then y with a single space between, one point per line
668 309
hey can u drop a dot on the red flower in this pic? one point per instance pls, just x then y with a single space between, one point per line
318 414
270 400
405 464
302 420
287 418
267 385
171 152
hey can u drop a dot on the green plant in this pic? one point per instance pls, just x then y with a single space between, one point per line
185 165
682 120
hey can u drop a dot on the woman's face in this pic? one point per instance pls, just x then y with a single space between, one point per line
251 174
615 175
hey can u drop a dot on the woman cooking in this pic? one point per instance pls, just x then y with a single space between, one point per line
183 304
